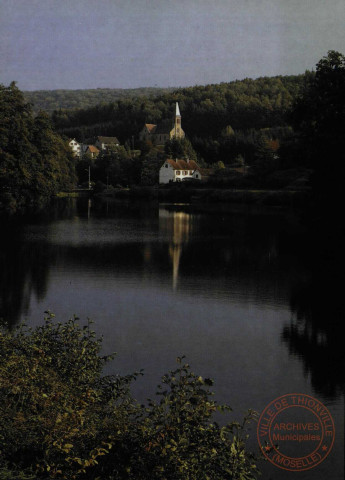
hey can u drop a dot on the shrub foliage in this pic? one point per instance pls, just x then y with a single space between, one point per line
60 417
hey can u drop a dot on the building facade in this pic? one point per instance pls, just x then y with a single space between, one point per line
177 170
104 143
75 147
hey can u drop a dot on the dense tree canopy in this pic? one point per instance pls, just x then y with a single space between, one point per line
319 116
50 100
208 112
34 160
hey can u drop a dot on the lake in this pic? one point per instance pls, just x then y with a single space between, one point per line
245 294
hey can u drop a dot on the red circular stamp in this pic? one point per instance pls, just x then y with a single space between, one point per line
295 432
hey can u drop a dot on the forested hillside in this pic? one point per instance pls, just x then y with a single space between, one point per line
50 100
278 130
247 106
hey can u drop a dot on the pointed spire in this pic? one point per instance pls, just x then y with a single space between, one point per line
177 110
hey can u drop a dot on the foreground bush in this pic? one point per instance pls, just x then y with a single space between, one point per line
61 418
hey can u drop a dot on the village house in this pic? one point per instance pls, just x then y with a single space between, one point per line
92 151
104 143
75 146
166 130
177 170
180 170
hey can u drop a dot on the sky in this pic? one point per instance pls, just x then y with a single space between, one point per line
77 44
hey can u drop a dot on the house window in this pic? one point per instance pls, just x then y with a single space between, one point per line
178 172
166 165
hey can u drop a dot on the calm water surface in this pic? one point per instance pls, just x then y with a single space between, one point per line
238 292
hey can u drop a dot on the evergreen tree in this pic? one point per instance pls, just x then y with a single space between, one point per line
180 148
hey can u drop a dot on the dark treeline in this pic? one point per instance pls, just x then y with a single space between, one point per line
50 100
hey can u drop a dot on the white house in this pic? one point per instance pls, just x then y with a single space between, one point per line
177 170
75 146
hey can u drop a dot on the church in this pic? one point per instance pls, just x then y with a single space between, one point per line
166 130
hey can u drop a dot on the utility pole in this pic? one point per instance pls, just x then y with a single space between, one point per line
89 176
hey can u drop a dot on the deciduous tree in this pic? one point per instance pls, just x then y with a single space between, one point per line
34 161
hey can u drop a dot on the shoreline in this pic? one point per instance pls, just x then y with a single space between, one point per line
281 198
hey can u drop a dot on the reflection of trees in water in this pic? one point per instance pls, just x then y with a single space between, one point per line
232 256
24 266
315 333
24 270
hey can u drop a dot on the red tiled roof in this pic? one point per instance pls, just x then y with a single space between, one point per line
151 127
108 140
193 165
180 164
93 149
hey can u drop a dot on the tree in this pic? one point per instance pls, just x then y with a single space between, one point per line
17 154
34 161
56 412
55 158
151 165
182 441
239 161
219 165
180 148
227 132
319 116
266 158
117 166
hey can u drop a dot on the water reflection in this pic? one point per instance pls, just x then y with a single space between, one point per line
25 263
314 333
232 259
24 272
237 292
178 227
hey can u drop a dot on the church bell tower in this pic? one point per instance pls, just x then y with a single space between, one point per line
178 132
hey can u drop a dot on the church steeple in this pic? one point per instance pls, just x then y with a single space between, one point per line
178 132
